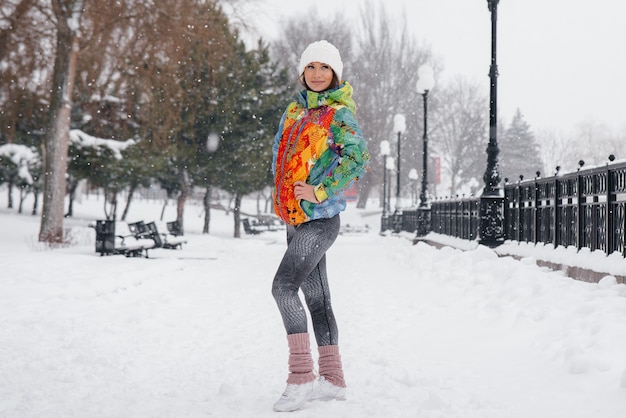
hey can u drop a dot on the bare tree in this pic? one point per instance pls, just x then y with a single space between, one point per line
25 39
68 14
594 142
589 141
385 76
458 134
11 17
556 150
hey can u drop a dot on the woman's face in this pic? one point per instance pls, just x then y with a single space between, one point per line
318 76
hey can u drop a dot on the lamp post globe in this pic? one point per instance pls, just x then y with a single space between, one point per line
385 148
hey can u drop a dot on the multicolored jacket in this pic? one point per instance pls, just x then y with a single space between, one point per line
319 142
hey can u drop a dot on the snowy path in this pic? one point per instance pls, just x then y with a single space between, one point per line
195 333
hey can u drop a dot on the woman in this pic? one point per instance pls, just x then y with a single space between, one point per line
319 151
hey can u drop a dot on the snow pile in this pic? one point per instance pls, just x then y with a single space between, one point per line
597 261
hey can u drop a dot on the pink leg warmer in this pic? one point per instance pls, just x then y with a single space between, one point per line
330 365
300 360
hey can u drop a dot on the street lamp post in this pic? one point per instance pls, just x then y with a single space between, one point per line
390 166
399 126
425 83
413 178
385 150
492 199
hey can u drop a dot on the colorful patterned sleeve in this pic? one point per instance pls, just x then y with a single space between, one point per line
352 148
277 142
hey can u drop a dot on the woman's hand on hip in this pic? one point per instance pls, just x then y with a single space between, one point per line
304 191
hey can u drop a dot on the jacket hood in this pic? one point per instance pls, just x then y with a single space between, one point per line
341 95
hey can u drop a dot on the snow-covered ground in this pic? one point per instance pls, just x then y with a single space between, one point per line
195 332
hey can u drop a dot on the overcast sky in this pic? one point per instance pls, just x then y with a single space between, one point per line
560 61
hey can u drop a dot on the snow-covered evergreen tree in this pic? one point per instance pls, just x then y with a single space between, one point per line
519 151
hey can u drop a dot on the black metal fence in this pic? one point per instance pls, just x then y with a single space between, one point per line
458 218
584 209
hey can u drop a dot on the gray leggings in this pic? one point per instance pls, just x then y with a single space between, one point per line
304 267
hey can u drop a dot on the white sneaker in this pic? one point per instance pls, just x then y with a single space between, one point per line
294 397
326 391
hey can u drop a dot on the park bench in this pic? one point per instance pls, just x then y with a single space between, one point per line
252 227
140 230
174 228
262 223
270 222
351 228
116 237
164 236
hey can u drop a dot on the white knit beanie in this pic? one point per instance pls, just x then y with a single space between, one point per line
324 52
